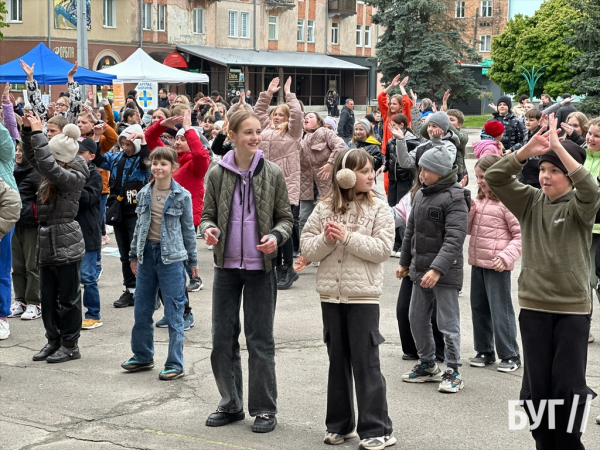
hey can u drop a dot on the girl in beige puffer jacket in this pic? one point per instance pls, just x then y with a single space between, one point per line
494 247
352 233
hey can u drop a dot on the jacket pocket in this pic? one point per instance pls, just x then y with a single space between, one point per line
564 287
376 339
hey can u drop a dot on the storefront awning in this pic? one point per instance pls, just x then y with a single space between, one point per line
239 57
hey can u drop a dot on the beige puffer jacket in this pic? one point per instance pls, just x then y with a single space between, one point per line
318 148
10 208
351 271
283 148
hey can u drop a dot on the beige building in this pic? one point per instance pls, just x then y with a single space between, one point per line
322 44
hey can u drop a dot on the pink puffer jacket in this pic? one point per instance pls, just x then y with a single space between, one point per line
283 148
487 147
495 232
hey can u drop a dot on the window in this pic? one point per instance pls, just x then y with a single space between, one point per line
359 35
335 33
459 10
109 19
162 17
367 35
198 17
15 10
233 24
245 24
485 43
300 34
486 8
147 16
310 31
273 28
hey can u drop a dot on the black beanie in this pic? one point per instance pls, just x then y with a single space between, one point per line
505 99
572 149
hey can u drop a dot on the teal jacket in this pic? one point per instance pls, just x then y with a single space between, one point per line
7 158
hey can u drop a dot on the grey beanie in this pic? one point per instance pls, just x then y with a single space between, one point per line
437 160
365 124
441 119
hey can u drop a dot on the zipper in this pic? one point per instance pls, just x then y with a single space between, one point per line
52 250
242 222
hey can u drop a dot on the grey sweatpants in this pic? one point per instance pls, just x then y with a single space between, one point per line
448 321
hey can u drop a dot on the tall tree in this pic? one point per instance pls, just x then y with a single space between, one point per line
586 38
3 24
423 42
536 41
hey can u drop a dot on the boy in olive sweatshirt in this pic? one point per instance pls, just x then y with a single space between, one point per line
556 229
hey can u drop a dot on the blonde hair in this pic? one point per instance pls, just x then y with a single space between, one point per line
178 109
397 97
237 118
338 199
283 127
222 110
582 119
484 164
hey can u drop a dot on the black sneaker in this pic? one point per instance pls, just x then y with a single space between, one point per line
64 354
483 359
288 276
126 299
220 418
509 364
264 423
48 350
195 285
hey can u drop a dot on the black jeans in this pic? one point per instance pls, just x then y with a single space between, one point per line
124 235
285 254
406 338
352 335
555 350
296 230
61 303
259 289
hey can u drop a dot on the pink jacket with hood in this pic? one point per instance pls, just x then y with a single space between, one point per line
495 232
487 147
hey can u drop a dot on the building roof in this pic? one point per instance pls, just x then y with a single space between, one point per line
246 57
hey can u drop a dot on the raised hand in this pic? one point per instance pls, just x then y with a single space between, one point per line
395 130
553 139
172 121
286 86
72 72
36 123
28 70
6 93
90 93
396 81
187 119
50 110
413 96
273 86
12 99
404 81
446 97
242 97
105 91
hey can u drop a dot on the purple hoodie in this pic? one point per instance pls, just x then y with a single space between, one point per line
243 233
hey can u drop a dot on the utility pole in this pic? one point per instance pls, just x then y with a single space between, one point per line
82 42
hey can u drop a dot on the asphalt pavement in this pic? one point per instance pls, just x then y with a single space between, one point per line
93 404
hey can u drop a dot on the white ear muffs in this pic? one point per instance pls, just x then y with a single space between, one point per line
346 178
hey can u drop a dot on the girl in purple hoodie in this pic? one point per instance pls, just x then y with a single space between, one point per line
246 217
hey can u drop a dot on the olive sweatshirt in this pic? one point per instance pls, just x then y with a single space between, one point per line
556 238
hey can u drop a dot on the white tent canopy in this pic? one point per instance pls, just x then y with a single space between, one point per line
141 67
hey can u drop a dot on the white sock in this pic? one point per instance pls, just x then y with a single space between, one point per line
132 290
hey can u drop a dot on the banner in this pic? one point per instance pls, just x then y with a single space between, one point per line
65 14
147 95
118 94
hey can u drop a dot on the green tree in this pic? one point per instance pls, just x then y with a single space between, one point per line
536 41
3 24
421 41
586 38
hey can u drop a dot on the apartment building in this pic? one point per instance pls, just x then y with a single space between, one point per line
322 44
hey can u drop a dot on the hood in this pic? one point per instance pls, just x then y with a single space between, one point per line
199 131
485 147
410 136
125 134
228 162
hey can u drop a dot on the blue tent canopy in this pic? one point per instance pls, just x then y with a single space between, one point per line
49 69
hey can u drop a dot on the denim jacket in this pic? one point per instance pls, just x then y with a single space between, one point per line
178 238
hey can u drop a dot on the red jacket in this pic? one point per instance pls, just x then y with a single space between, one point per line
193 165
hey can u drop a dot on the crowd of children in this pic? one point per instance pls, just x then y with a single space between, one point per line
264 185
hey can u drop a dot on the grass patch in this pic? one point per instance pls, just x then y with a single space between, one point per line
476 121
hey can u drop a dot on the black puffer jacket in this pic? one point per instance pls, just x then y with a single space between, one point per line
88 215
60 240
28 182
346 124
391 158
514 130
436 231
372 149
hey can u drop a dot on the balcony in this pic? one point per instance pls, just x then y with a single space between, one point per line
342 8
282 4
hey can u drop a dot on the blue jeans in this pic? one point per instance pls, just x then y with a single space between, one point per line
493 313
5 278
91 295
259 289
170 278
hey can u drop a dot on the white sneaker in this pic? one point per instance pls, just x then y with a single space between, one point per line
210 247
335 439
4 329
109 229
16 309
32 312
398 254
393 253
